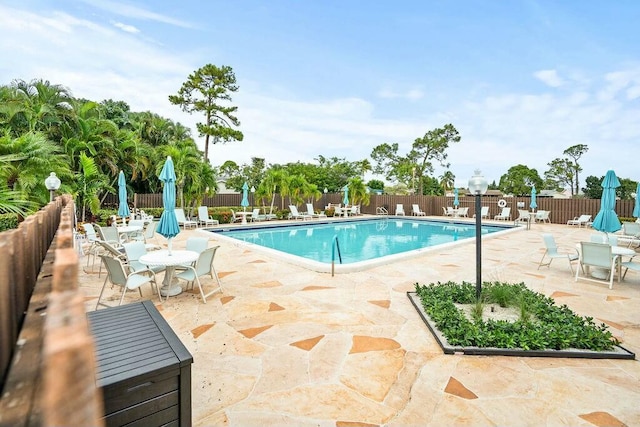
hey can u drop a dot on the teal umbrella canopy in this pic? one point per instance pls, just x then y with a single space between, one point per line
123 207
245 195
346 195
456 202
606 220
636 207
168 225
533 203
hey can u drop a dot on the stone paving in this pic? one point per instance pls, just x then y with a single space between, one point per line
285 346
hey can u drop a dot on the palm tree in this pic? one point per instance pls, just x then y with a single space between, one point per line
358 191
447 180
90 182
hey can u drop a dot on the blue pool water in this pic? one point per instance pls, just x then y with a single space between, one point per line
359 240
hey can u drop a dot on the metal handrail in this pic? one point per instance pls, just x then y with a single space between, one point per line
335 245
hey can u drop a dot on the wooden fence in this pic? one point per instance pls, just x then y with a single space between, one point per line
561 210
46 349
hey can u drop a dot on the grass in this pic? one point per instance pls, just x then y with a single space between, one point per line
542 325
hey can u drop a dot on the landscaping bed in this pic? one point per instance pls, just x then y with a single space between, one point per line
510 320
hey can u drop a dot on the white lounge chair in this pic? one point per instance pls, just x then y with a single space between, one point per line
504 215
415 210
183 221
311 212
204 218
463 212
580 221
484 212
295 214
400 209
234 217
543 216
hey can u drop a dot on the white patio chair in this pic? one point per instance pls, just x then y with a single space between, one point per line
504 215
117 275
551 252
203 266
400 209
582 220
597 255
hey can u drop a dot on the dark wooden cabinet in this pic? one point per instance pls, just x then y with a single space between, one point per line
143 368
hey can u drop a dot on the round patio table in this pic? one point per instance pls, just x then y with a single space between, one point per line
171 260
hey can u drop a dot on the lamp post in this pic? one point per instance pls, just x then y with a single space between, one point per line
478 186
52 183
325 197
253 190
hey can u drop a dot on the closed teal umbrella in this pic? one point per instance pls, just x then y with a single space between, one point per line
245 193
606 220
533 203
456 202
123 207
346 195
636 207
168 225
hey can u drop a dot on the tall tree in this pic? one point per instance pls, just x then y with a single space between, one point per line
447 180
419 162
575 152
560 175
202 92
519 179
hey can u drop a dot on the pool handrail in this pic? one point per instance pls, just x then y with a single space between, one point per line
335 245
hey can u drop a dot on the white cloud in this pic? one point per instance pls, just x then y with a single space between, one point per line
126 28
549 77
125 9
411 94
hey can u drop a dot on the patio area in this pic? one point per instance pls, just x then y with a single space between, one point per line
285 346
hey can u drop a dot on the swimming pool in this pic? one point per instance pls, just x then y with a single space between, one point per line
363 242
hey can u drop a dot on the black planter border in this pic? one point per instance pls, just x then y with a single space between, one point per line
619 352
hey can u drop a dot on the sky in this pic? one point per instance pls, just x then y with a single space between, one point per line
520 80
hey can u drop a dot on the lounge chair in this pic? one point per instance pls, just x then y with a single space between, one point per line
183 221
234 217
504 215
484 212
451 211
597 255
543 216
551 252
204 218
580 221
463 212
294 214
415 210
400 209
255 215
311 212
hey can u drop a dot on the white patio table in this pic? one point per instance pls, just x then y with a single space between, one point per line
162 257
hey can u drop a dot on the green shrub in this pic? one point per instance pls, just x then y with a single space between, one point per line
542 326
8 221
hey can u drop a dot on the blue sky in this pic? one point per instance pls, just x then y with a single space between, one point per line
520 80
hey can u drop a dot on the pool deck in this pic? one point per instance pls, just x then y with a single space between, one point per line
286 346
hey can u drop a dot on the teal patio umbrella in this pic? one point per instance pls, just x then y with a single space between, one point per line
636 207
606 220
456 202
245 199
533 205
123 207
345 200
168 225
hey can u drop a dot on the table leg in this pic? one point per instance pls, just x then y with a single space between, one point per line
169 287
244 220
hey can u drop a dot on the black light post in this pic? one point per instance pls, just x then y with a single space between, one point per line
253 191
52 183
325 197
478 186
